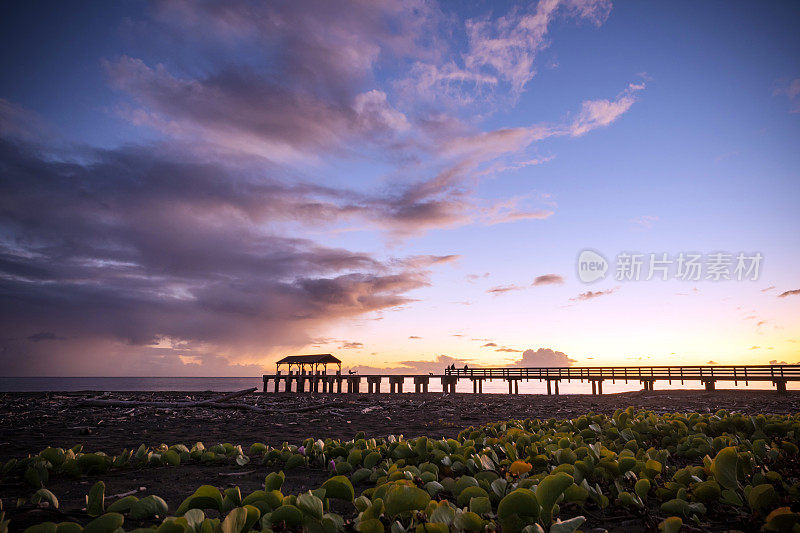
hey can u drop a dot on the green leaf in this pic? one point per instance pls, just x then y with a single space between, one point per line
521 502
707 491
123 505
468 521
44 527
673 524
782 519
480 505
372 525
340 488
468 493
549 490
731 497
675 507
274 481
206 497
499 487
567 526
149 507
235 521
95 500
760 496
69 527
253 515
108 523
194 517
433 487
362 474
294 461
724 467
54 455
310 505
289 514
404 498
642 488
44 495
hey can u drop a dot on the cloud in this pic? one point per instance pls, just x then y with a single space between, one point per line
501 51
711 362
792 91
197 250
548 279
489 345
793 292
645 221
139 247
600 113
436 366
502 289
776 362
414 337
19 122
543 357
351 346
509 350
45 336
588 295
767 289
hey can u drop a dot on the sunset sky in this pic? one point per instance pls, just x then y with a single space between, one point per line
199 188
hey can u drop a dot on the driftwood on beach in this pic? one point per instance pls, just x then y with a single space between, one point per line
222 402
214 403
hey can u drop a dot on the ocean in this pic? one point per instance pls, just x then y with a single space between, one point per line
44 384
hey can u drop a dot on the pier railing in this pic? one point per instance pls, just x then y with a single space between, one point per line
688 373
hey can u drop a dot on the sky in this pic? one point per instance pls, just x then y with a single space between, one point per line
200 188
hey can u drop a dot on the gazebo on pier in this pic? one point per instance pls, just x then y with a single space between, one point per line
312 362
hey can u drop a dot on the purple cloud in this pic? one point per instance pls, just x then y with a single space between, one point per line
548 279
543 357
588 295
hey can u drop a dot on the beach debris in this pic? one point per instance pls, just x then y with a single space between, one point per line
221 402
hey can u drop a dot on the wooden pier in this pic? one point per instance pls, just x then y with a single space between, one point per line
324 382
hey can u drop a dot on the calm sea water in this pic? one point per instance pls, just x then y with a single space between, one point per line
43 384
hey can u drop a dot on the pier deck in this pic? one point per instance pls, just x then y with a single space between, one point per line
708 375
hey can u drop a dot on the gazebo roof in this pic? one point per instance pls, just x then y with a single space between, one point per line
320 358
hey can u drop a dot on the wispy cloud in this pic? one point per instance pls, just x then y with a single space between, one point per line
793 292
502 289
350 345
589 295
792 91
645 221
